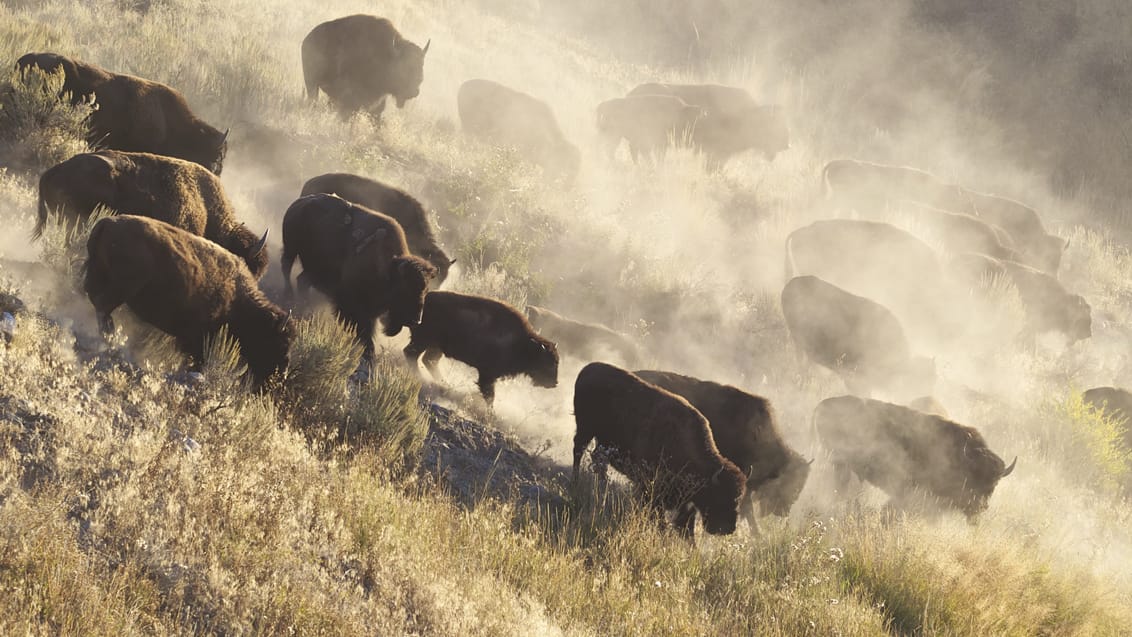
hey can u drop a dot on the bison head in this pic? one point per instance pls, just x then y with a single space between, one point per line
982 469
267 348
407 70
718 501
409 281
542 361
244 243
778 496
1078 318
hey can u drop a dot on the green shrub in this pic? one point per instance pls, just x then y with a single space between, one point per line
37 128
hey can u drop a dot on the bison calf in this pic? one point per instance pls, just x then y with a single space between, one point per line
359 258
185 286
583 340
399 205
648 122
178 192
901 451
743 426
486 334
661 443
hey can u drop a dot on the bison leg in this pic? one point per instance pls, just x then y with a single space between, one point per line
685 521
412 352
303 283
747 510
431 359
286 262
487 388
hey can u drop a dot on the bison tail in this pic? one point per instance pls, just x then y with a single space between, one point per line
41 222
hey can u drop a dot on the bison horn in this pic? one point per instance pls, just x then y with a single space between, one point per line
426 45
259 244
452 262
810 461
1007 471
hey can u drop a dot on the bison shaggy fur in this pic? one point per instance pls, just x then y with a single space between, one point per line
745 431
185 286
660 442
360 59
401 206
178 192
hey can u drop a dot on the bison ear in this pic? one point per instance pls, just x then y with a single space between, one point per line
426 45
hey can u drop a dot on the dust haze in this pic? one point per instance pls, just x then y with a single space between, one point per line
689 261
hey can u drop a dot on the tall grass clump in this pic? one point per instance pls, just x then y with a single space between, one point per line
384 414
38 129
1088 443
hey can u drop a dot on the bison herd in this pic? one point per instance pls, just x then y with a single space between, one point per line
177 256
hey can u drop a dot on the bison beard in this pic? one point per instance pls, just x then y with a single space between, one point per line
661 443
185 286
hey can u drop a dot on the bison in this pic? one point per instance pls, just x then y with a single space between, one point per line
1048 305
855 337
1114 402
868 186
583 340
185 286
172 190
358 258
648 122
399 205
136 114
506 117
881 262
744 428
964 233
661 443
486 334
732 121
80 79
902 451
360 59
1038 248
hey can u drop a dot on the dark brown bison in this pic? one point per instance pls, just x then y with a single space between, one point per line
178 192
185 286
964 233
358 60
732 121
505 117
1048 305
648 122
881 262
902 451
1114 402
856 337
80 79
358 258
583 340
744 428
486 334
868 186
137 115
391 201
1038 248
660 442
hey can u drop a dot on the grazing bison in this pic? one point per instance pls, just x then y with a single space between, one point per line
648 122
732 121
901 451
869 186
881 262
185 286
743 426
661 443
358 60
80 79
963 233
1048 305
506 117
486 334
853 336
1038 248
582 340
399 205
1114 402
178 192
358 258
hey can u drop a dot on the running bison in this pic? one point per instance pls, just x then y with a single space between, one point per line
80 79
732 122
744 428
178 192
1048 305
360 59
903 451
855 337
138 115
503 116
185 286
661 443
486 334
1038 248
396 203
358 258
881 262
583 340
648 122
